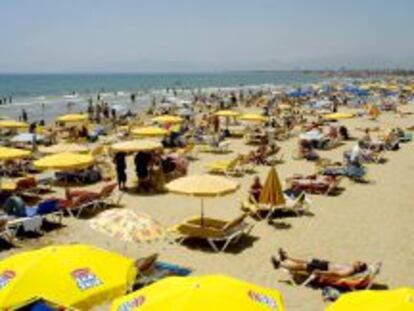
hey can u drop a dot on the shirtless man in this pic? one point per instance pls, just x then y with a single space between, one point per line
320 268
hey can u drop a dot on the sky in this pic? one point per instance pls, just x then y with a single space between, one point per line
204 35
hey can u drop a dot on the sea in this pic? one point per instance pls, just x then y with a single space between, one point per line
44 96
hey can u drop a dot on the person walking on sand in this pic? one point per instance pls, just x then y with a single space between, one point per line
120 164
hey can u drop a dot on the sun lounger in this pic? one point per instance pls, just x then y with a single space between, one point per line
75 207
315 184
31 218
222 147
363 280
106 196
225 167
45 209
297 206
26 224
213 231
5 232
245 164
189 151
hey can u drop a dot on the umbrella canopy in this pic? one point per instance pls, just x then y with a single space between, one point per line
12 124
64 161
128 226
338 116
76 117
212 292
252 117
272 193
8 185
64 148
227 113
78 276
168 119
150 131
26 138
202 186
7 153
136 146
390 300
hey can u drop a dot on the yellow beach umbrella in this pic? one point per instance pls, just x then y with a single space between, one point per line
202 186
201 293
7 153
385 300
252 117
63 148
150 131
272 192
8 185
168 119
227 113
136 146
72 118
12 124
78 276
338 116
64 161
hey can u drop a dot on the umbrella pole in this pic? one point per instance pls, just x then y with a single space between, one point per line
202 212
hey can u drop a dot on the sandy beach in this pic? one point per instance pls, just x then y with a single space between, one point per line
369 222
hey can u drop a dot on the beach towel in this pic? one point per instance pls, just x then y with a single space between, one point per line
32 224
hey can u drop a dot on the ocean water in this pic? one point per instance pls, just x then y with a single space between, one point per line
46 95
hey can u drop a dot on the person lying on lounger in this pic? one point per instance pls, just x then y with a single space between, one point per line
318 267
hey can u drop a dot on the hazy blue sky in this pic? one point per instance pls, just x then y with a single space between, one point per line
197 35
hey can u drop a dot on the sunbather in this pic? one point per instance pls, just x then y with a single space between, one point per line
256 188
306 151
318 267
317 184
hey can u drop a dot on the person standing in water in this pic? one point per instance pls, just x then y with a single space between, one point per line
24 115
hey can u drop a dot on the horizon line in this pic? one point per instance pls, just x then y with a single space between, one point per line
343 70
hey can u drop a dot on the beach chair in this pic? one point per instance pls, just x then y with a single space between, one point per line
362 280
274 159
227 168
5 232
31 218
213 231
45 209
189 151
297 206
245 164
311 184
106 196
222 147
76 206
